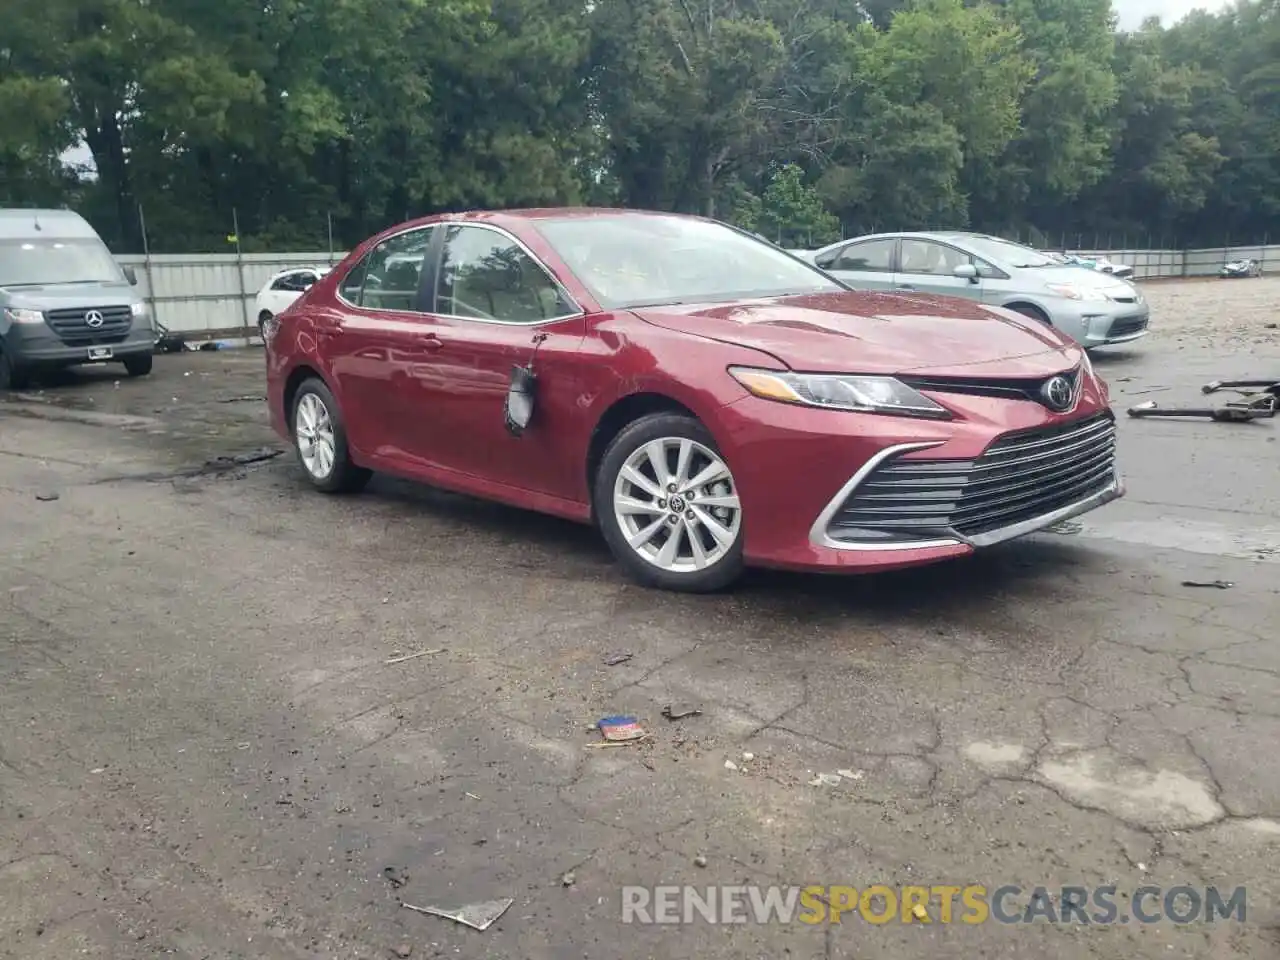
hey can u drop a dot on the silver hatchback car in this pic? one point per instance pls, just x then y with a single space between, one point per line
1093 308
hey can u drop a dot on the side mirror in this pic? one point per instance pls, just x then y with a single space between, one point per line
131 275
826 260
966 271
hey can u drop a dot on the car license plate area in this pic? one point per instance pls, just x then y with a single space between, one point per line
100 353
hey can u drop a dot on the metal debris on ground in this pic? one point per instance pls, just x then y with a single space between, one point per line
568 880
477 916
247 398
1216 584
1235 411
414 656
621 729
730 765
47 497
679 711
616 658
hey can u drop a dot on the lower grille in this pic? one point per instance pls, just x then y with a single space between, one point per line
1126 326
73 325
1020 477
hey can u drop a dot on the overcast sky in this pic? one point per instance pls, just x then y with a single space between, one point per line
1133 12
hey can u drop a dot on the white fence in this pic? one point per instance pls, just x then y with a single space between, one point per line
211 295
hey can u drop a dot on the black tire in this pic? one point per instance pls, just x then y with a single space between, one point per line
720 574
1034 313
12 376
344 476
263 317
139 365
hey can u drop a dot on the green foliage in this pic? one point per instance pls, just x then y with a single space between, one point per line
790 213
795 118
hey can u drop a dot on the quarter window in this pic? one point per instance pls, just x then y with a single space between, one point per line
485 275
869 255
393 272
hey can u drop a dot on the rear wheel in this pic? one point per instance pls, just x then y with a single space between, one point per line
13 376
140 365
668 505
320 439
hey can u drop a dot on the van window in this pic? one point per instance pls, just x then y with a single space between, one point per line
42 261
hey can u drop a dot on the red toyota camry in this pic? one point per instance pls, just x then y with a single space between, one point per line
706 398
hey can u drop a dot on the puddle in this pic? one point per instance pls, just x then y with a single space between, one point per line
1160 799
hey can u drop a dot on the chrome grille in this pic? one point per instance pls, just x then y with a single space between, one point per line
71 325
1020 477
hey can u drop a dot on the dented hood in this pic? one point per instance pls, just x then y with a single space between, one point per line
862 332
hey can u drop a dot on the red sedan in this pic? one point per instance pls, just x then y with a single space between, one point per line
704 397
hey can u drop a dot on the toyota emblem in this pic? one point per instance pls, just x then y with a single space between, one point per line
94 319
1057 393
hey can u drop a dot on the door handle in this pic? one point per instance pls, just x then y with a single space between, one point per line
430 342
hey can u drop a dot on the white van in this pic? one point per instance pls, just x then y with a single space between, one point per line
64 300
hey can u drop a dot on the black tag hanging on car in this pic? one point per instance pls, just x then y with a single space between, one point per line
521 395
522 392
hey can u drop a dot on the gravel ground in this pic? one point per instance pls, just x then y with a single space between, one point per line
206 752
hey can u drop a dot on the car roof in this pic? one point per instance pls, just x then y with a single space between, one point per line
33 222
508 218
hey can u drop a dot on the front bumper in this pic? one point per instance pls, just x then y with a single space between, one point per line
797 469
1103 324
38 345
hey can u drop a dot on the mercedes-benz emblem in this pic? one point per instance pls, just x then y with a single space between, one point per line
94 319
1057 393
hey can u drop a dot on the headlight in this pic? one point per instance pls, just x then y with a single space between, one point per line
14 315
138 309
839 392
1072 292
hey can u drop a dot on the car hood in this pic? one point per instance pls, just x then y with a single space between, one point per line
60 296
860 332
1087 278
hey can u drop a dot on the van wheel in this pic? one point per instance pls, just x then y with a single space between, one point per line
12 376
138 366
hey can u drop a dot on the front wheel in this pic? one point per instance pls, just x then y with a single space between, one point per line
140 365
13 376
668 505
320 439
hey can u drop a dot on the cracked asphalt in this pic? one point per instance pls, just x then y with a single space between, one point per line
204 752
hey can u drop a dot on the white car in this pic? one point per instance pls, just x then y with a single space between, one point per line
283 288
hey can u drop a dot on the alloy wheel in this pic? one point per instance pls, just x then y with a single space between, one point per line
314 432
677 505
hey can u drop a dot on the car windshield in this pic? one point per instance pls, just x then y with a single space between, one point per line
1009 253
633 260
47 261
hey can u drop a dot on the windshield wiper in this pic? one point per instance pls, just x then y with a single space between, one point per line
15 286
